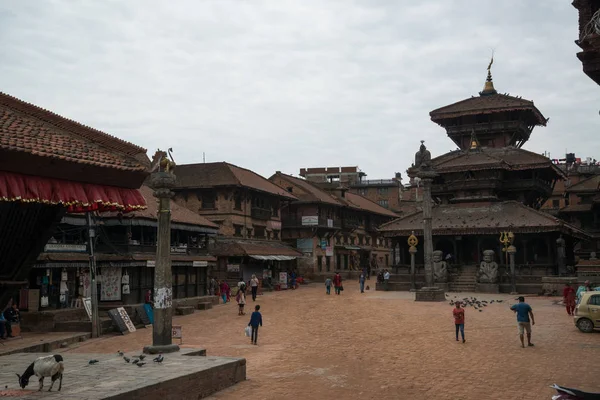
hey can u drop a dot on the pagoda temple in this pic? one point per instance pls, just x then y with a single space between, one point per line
488 186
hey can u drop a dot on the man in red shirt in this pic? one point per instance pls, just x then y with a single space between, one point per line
569 298
459 320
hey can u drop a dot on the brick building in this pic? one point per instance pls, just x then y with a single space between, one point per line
246 208
125 246
334 228
388 193
51 165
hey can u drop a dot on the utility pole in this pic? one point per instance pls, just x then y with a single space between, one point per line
94 288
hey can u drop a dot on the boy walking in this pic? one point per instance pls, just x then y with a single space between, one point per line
459 320
524 312
361 282
328 285
255 321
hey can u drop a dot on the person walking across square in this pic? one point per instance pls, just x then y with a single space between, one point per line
569 298
459 320
337 283
328 285
255 322
524 320
254 286
361 282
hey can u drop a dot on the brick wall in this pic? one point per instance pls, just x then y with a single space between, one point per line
225 214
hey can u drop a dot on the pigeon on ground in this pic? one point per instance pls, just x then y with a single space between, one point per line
141 364
446 294
159 359
127 359
120 353
92 362
142 356
499 301
135 361
480 310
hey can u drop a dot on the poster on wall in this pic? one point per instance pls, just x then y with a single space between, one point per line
311 220
110 288
87 304
283 280
233 267
329 251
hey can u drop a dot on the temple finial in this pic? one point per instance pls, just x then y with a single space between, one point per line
488 88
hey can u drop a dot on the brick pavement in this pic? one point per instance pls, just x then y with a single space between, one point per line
385 346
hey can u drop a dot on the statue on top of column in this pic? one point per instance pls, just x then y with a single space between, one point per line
422 157
488 269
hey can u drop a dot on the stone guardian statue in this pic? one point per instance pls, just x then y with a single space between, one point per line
440 268
488 269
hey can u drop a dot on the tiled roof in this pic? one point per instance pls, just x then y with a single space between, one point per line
573 208
508 158
591 184
208 175
30 129
487 104
362 203
179 214
243 247
491 218
311 193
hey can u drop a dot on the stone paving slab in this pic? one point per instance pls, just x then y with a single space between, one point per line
33 342
179 376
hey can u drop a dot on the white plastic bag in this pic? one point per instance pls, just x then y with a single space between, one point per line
125 279
248 331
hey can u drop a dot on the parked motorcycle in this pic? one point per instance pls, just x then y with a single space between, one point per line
565 393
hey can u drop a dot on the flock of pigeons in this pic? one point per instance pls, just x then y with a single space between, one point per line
137 360
473 302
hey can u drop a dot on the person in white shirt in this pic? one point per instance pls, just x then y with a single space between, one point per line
386 279
254 286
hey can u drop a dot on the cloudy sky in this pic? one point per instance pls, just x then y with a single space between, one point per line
284 84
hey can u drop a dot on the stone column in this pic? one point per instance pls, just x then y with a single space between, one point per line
413 279
427 179
162 183
513 278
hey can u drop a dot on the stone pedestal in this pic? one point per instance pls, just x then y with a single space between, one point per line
488 288
430 294
443 286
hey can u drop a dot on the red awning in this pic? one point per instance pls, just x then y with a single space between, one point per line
77 197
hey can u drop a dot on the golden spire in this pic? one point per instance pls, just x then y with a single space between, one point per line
488 88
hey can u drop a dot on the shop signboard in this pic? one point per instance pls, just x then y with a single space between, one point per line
65 248
329 251
311 220
330 223
324 244
283 280
199 263
233 267
150 263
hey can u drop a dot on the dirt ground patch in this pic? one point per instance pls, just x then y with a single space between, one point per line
385 346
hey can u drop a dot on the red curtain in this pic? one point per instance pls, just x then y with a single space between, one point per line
77 197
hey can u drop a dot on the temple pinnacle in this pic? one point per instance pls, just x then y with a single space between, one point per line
488 88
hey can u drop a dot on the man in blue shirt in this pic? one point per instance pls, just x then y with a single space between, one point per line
255 321
524 312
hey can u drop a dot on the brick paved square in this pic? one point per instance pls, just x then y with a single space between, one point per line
385 346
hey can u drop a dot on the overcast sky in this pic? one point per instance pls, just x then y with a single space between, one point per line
279 85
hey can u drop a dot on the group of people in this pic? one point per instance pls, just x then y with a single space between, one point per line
10 315
525 320
384 277
570 296
336 282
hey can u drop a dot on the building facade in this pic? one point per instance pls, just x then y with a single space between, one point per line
489 186
334 228
125 253
51 165
246 208
589 37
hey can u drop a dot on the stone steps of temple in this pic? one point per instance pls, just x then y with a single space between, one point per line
462 288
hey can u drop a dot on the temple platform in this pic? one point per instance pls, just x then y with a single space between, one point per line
183 375
33 342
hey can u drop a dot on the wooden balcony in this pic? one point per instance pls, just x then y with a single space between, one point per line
350 224
261 213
